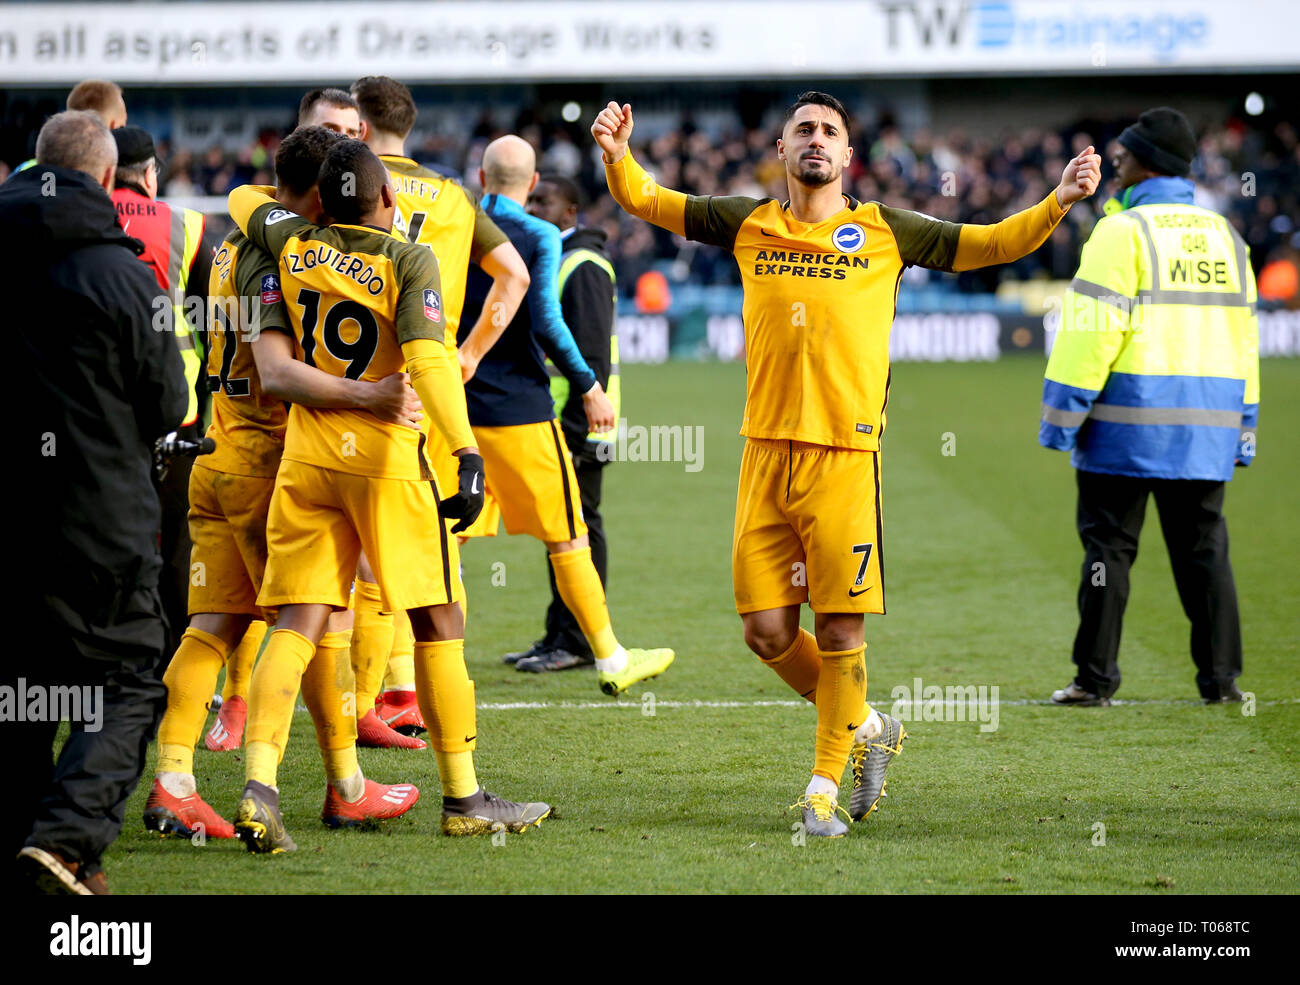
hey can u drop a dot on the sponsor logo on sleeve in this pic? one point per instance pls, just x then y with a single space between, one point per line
432 306
275 215
270 289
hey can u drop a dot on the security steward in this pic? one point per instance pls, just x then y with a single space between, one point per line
1153 386
587 299
95 387
178 248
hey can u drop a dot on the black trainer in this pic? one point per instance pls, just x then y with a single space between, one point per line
1227 695
554 659
1075 695
537 649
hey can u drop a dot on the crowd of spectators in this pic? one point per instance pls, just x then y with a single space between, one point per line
1249 172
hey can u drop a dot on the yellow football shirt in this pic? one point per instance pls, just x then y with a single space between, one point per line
436 211
354 294
243 299
819 298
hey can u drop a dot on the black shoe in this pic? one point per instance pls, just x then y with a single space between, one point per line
1075 695
1227 696
556 659
536 650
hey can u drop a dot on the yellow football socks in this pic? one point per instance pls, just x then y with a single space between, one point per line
800 665
328 691
446 696
841 698
191 679
580 588
372 639
271 696
401 658
239 666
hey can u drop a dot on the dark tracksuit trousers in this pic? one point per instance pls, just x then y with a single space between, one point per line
1110 513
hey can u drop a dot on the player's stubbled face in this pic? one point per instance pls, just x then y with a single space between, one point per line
815 145
340 119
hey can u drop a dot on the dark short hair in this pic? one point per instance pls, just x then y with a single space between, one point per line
335 97
566 187
385 104
300 156
814 98
350 181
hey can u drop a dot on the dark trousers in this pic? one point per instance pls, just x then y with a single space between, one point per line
174 545
75 805
1110 514
562 630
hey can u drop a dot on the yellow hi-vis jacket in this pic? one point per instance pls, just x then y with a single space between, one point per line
1154 371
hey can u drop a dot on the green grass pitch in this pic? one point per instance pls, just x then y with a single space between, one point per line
981 560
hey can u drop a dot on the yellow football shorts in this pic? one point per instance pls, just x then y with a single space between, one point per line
808 528
321 520
530 483
227 520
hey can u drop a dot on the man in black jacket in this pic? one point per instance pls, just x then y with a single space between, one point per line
587 300
97 384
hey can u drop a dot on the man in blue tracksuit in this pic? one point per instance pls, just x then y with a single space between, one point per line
530 478
1153 384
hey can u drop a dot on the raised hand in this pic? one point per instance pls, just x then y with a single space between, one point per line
612 129
1080 178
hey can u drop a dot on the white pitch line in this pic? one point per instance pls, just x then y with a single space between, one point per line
919 702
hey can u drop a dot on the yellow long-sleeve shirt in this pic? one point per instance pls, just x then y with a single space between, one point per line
820 297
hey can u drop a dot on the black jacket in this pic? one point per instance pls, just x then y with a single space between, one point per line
97 384
587 302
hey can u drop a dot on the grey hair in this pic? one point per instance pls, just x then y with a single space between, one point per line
79 140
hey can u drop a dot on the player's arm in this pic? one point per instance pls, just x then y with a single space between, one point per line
432 364
510 280
435 374
282 375
262 219
712 219
1099 315
391 399
1019 235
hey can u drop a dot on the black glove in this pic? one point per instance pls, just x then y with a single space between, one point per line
467 504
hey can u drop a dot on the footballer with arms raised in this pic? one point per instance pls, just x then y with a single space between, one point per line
251 372
364 305
821 275
436 212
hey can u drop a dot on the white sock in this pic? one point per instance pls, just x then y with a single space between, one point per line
869 729
615 663
351 788
178 784
819 784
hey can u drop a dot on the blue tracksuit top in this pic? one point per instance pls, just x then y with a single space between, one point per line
511 385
